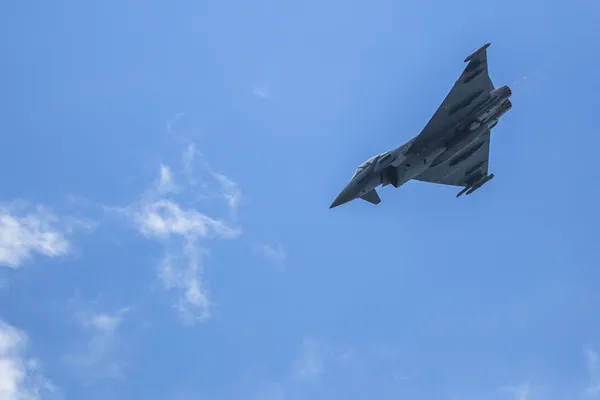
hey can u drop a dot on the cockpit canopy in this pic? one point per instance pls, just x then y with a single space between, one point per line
366 164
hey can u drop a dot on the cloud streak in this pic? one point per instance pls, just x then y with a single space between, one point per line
204 182
163 218
591 358
262 91
20 376
519 392
26 230
312 361
97 356
272 252
183 272
184 231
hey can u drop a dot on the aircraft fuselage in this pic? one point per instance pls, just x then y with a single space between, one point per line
399 166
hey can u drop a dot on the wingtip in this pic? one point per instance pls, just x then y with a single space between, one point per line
482 48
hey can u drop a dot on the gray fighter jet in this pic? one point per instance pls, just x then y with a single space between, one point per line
452 149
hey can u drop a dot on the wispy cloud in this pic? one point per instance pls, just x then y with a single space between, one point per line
519 392
230 192
262 91
591 358
182 271
20 376
308 370
173 121
204 182
273 252
165 183
316 358
569 389
183 231
26 230
98 355
312 361
104 324
163 218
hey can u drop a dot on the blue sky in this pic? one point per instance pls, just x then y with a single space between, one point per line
168 168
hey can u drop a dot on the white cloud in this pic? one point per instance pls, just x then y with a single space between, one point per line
184 273
103 323
315 361
316 358
262 91
189 156
591 358
165 182
561 390
171 122
25 230
20 378
348 359
163 218
184 231
199 180
519 392
97 356
229 192
273 252
311 362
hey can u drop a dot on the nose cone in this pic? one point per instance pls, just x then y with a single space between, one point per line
337 202
344 197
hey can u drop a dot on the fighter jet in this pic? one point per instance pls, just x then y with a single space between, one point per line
452 149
